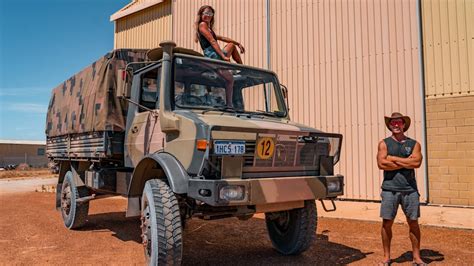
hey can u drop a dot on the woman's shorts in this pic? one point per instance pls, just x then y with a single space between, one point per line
211 53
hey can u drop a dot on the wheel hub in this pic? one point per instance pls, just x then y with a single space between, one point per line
282 221
66 199
146 230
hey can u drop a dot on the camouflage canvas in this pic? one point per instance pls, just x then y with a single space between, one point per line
87 101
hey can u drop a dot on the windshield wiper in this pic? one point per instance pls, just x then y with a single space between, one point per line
221 108
259 112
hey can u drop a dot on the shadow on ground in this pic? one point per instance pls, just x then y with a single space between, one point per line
230 241
427 255
125 229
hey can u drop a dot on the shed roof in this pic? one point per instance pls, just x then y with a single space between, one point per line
133 7
28 142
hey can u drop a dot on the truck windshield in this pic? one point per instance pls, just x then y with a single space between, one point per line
201 84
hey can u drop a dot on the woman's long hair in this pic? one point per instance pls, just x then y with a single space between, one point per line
199 20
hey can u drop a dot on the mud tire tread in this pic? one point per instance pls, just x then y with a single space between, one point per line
302 233
79 211
168 223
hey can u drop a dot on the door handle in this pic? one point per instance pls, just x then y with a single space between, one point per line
135 129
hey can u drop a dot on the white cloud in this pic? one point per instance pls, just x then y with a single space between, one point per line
27 107
25 91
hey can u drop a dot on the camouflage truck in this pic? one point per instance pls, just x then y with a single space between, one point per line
183 136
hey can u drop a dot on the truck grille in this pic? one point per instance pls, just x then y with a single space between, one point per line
294 152
289 151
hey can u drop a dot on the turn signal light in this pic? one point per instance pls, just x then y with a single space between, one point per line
202 144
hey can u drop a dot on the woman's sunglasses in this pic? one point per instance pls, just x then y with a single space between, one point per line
209 14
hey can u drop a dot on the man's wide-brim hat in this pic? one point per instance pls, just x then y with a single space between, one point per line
396 115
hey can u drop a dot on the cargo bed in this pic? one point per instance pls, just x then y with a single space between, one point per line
94 146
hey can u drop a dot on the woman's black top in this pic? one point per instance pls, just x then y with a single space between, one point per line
203 41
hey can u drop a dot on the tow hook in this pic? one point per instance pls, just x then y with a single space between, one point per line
324 206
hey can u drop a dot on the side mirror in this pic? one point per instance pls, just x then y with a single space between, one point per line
123 84
284 90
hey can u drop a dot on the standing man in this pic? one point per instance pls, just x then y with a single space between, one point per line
398 156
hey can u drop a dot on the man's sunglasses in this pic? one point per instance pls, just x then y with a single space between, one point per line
396 123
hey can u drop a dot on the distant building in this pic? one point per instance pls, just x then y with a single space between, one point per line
23 151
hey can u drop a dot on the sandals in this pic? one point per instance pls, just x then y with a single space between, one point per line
386 263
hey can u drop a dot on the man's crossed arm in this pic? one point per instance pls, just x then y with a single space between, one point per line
389 162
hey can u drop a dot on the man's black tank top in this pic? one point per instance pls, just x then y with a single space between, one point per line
402 180
203 41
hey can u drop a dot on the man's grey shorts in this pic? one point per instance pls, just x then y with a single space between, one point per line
410 203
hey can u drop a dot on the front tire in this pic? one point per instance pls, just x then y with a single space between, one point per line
161 224
74 213
292 232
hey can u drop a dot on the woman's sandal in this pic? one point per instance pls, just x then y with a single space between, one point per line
386 263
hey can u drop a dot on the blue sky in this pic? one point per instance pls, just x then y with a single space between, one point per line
43 43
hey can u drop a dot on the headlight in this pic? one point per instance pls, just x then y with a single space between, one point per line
334 186
232 193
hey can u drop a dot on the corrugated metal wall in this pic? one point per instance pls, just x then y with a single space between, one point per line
347 64
448 42
241 20
145 29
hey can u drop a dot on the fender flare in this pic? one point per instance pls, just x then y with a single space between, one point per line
159 165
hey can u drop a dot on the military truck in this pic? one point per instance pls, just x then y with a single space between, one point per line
183 136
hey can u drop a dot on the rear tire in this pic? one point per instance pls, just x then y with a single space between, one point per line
292 232
161 224
74 213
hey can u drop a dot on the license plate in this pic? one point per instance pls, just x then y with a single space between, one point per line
225 147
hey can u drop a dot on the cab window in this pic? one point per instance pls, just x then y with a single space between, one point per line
150 89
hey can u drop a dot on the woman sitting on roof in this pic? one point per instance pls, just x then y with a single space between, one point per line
208 39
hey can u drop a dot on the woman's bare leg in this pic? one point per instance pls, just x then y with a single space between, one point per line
231 50
229 86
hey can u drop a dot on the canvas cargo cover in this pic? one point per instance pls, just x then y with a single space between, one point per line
87 101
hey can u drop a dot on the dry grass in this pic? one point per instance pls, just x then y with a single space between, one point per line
38 172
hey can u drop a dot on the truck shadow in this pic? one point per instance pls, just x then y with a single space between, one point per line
125 229
247 243
230 241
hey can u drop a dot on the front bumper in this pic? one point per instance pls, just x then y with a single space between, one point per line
266 190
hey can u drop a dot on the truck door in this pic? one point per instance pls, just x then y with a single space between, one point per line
144 134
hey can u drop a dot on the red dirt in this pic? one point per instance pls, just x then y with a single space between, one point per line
31 232
32 172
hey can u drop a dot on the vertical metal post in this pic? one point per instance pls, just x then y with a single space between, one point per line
423 101
269 65
172 19
115 34
268 96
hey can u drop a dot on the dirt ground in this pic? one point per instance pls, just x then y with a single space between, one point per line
34 172
31 232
